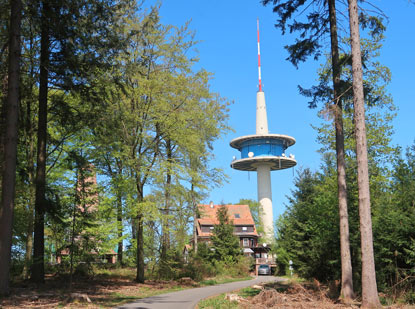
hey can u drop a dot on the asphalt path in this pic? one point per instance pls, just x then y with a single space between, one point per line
189 298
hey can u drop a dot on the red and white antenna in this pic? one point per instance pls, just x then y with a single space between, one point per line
259 57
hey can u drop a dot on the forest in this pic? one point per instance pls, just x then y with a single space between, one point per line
107 131
115 127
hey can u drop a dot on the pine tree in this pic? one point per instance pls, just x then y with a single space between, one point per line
225 244
394 228
321 21
370 298
10 146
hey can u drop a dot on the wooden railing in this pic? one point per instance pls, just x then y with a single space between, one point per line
268 260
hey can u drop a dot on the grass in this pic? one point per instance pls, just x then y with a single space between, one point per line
116 273
118 298
221 280
217 302
248 292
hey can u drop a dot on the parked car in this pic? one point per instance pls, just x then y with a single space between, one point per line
264 269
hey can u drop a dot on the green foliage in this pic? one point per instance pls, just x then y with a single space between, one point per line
172 266
310 19
308 230
199 269
124 97
169 119
203 265
394 228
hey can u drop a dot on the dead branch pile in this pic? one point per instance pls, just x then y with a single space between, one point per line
296 296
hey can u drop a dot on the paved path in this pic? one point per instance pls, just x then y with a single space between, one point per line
190 297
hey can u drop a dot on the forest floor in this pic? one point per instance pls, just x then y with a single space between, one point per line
116 287
104 290
284 295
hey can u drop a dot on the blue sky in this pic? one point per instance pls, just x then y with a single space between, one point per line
227 31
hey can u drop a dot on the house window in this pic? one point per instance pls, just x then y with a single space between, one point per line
245 242
237 216
244 228
206 228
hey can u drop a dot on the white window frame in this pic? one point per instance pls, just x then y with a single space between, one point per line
245 242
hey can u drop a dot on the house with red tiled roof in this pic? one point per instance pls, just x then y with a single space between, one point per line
240 215
244 228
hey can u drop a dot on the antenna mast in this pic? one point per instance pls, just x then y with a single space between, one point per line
259 57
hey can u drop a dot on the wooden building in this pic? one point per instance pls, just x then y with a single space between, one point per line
244 228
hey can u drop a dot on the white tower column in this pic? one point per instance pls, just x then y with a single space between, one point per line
261 114
265 200
263 152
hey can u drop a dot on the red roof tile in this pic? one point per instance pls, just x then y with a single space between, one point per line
208 217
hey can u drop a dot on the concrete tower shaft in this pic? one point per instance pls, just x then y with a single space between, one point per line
261 114
265 200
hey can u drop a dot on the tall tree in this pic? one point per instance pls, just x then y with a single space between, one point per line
312 33
224 243
370 298
28 114
38 271
85 39
160 103
322 20
10 147
347 274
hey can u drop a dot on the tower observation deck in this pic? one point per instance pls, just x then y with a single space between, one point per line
263 152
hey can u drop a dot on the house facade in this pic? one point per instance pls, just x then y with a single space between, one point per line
244 228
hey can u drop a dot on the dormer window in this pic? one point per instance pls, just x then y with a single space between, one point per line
237 216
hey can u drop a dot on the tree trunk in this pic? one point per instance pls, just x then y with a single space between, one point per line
38 271
140 248
347 293
370 298
71 249
194 208
10 146
31 177
29 239
165 220
119 227
140 235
